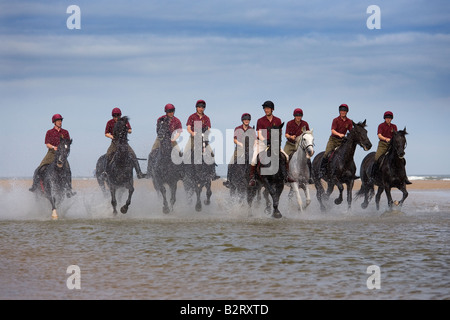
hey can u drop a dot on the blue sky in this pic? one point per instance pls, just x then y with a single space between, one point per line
140 55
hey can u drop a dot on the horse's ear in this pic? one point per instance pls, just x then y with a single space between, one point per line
304 129
282 125
354 124
71 141
405 130
312 130
364 122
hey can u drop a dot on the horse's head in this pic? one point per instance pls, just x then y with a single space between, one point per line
306 142
163 128
62 152
120 131
398 142
359 133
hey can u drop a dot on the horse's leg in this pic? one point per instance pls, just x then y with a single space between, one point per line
113 199
268 203
349 193
162 189
173 194
307 194
389 197
319 193
378 196
294 189
124 209
405 194
339 199
208 193
198 191
276 200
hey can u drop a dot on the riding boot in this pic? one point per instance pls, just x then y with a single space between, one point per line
70 192
323 167
287 178
310 180
36 180
252 181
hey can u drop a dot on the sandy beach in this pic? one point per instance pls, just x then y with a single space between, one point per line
8 184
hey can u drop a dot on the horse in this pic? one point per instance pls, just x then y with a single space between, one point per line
341 166
298 167
391 173
119 172
164 170
239 173
198 174
56 177
273 183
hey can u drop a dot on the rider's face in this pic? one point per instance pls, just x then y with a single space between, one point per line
58 123
268 111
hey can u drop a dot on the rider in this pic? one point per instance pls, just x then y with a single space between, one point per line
295 128
116 115
339 127
175 128
263 127
52 139
240 133
385 132
199 116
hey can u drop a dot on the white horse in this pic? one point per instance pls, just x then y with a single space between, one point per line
299 168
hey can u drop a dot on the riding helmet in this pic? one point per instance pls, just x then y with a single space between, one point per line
169 108
298 112
268 104
116 111
200 103
246 116
57 117
343 107
388 114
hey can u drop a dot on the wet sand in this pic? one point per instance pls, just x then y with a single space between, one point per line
8 184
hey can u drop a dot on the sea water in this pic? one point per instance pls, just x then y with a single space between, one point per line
226 251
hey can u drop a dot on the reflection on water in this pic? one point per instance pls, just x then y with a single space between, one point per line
223 252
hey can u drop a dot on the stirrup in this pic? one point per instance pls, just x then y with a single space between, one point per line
226 183
252 182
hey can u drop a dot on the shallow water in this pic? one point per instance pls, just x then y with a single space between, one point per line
223 252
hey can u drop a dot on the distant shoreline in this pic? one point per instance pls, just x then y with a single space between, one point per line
10 183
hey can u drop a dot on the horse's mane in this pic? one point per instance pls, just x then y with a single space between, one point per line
120 127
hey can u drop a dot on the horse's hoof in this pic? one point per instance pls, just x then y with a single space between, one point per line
198 207
276 215
207 202
337 201
364 205
268 210
54 215
124 209
166 210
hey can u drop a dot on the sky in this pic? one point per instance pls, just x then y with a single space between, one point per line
234 54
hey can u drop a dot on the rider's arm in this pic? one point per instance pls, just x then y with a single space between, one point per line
109 135
51 146
192 133
382 138
334 132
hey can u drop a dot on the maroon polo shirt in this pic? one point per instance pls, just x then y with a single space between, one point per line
206 123
386 130
240 133
264 123
110 126
292 128
341 126
53 136
174 125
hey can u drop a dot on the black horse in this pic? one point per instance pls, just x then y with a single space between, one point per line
341 166
198 173
119 172
163 170
272 181
56 178
391 172
239 172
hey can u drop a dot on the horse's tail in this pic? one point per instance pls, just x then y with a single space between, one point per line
366 188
